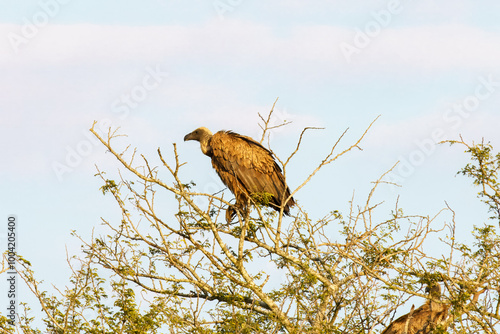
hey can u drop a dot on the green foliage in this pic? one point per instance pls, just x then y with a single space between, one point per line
110 185
5 325
262 198
483 169
86 307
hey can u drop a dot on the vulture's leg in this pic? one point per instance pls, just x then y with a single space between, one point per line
230 213
232 210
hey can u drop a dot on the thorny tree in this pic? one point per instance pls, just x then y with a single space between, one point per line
344 273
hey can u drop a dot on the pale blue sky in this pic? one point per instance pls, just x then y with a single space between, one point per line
224 69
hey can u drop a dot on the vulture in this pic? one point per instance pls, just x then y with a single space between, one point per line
424 319
247 168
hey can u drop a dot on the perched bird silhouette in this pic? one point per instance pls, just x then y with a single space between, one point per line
247 168
424 319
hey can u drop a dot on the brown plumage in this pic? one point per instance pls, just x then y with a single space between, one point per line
246 167
424 319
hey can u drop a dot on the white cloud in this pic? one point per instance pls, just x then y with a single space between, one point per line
403 136
236 42
435 48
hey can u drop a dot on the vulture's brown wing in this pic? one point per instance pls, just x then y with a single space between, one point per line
422 321
247 167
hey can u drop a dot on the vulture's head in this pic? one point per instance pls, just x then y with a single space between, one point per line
199 134
434 290
202 135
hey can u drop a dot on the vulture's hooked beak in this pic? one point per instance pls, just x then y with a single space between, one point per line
198 134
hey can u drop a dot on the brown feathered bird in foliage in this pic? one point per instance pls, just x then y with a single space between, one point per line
247 168
424 319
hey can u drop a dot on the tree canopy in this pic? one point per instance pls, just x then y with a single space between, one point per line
189 271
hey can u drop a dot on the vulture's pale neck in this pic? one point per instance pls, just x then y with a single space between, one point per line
204 138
